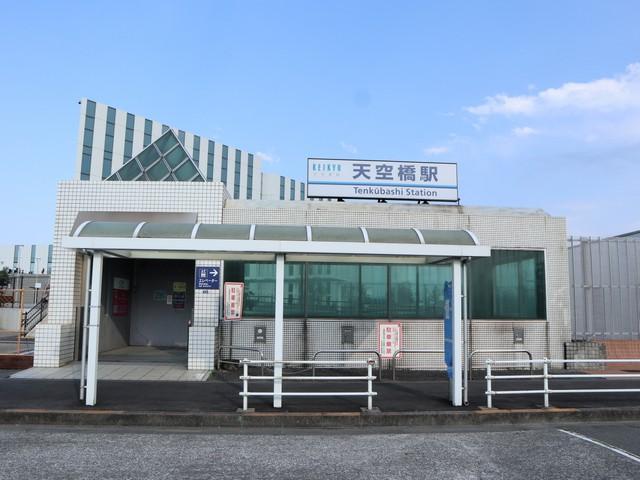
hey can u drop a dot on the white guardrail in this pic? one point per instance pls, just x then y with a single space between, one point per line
245 393
546 376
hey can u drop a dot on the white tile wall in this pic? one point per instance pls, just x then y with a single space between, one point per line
496 227
53 347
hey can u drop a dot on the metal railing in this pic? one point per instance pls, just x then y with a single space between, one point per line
36 314
320 352
231 348
245 393
546 376
398 352
469 366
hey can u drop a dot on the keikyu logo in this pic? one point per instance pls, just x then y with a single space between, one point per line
326 169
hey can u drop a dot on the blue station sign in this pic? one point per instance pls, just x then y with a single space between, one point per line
207 278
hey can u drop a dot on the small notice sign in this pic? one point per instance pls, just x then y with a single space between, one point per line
233 293
389 338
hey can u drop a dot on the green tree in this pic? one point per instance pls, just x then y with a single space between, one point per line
4 277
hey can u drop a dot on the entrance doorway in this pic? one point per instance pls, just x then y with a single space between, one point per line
147 308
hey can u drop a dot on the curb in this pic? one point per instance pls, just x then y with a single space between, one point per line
314 420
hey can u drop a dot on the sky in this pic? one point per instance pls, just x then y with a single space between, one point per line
537 101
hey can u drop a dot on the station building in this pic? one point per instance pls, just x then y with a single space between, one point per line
156 203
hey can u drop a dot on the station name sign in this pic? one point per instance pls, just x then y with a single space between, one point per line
382 179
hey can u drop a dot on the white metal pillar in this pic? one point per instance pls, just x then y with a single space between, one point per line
94 329
85 323
278 343
455 382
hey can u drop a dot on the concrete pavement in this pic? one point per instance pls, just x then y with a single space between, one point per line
498 453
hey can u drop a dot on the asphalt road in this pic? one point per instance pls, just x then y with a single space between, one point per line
537 452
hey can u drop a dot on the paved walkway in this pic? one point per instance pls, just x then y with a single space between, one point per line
222 395
131 371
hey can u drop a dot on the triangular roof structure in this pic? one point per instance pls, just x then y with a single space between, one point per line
165 160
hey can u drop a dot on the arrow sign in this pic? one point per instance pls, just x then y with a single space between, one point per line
207 278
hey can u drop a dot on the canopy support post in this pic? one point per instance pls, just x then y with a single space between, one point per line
278 344
455 382
94 329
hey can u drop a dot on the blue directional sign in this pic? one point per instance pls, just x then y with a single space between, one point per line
207 278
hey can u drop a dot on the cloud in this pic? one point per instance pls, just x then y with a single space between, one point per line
267 158
524 131
438 150
347 147
617 93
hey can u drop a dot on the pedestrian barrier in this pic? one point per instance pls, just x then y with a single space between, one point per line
373 352
468 368
397 352
231 348
245 393
546 376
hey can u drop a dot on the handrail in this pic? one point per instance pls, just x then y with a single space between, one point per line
465 388
32 317
546 376
397 352
245 393
234 347
375 352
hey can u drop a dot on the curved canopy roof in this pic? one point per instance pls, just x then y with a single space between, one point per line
283 233
246 241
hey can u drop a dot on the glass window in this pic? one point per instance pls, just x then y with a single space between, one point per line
148 124
166 142
236 175
186 172
260 287
373 291
302 191
292 193
148 156
404 298
508 285
332 290
196 149
223 166
157 172
210 158
293 289
431 280
281 188
250 177
129 171
175 157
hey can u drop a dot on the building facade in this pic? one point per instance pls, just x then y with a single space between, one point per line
135 174
25 258
109 137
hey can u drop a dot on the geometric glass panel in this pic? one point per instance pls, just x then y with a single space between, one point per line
129 171
154 168
157 172
186 172
175 157
166 142
148 156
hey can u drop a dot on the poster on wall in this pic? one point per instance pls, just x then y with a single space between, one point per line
120 297
233 293
179 299
179 296
389 338
448 328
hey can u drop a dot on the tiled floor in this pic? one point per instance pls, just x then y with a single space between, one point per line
120 371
